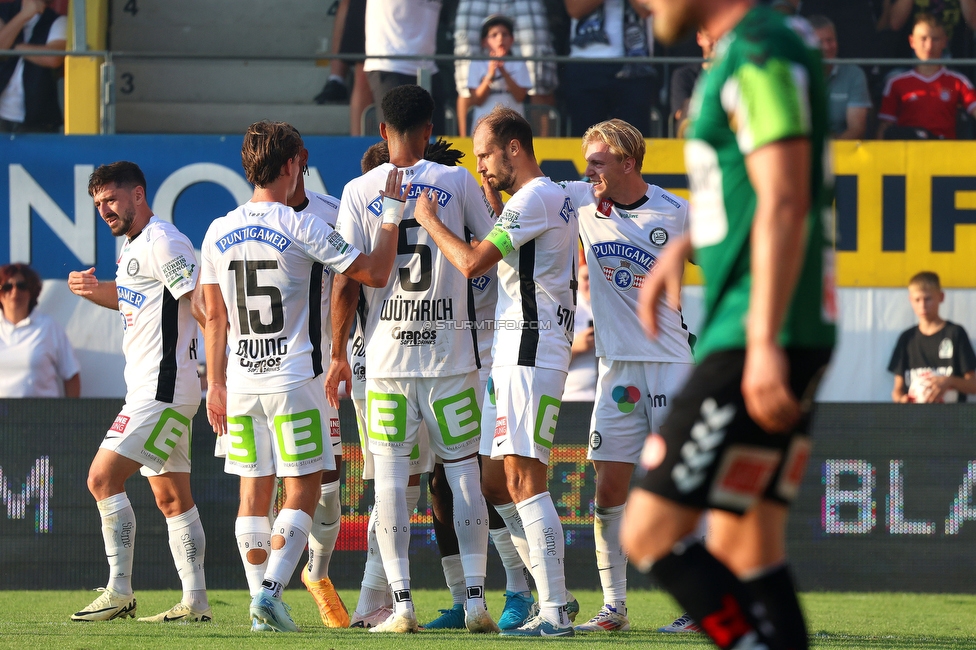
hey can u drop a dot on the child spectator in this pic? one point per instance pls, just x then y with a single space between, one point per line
494 82
922 103
933 361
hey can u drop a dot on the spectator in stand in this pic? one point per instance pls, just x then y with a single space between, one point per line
491 83
37 358
335 90
29 100
922 103
404 27
352 41
847 87
581 378
683 83
856 24
933 361
595 92
532 35
958 17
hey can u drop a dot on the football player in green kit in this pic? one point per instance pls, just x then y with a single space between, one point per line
736 440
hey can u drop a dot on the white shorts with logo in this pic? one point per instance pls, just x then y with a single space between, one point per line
396 408
285 434
521 408
421 459
632 400
156 434
335 434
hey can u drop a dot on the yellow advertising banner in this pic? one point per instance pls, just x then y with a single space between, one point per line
901 207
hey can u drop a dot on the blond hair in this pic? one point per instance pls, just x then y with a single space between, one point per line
623 139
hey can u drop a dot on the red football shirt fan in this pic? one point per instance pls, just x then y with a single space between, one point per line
911 99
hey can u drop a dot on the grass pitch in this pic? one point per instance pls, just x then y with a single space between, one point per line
39 619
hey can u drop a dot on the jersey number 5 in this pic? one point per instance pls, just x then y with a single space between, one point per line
246 279
420 250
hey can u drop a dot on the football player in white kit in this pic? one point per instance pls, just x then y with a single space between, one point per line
535 239
153 290
253 532
624 225
262 276
421 363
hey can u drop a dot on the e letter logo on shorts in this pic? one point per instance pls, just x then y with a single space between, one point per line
545 421
168 430
458 417
299 435
386 417
240 432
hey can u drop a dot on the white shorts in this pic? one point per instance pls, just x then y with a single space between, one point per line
421 458
335 434
632 400
448 405
156 434
521 409
279 433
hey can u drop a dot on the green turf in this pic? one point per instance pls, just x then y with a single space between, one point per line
39 619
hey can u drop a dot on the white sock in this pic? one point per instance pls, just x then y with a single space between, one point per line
470 522
119 534
393 526
254 544
188 544
289 534
546 549
454 577
513 521
610 558
325 531
375 590
413 496
516 575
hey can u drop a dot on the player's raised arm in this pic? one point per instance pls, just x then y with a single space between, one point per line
472 261
373 269
86 285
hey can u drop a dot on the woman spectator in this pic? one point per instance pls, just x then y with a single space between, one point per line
37 358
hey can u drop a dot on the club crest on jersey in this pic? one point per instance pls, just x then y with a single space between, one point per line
659 237
481 282
132 267
944 95
260 234
624 265
604 208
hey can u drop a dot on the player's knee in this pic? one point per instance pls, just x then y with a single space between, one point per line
257 556
277 542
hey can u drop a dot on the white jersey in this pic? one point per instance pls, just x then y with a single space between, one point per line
159 334
326 208
485 290
420 323
537 234
622 244
268 261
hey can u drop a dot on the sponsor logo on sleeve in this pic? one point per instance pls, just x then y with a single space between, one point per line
337 242
177 271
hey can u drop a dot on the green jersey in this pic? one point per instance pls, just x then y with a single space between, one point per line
766 84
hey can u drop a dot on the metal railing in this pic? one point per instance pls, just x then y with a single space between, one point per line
107 67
